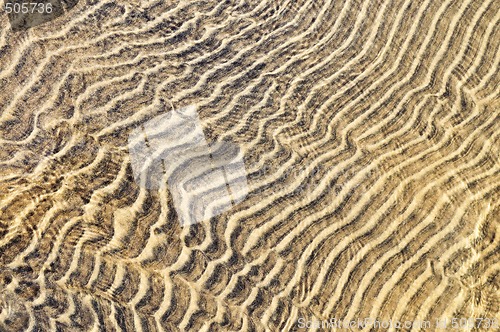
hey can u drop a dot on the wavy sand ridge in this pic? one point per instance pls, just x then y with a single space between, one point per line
369 136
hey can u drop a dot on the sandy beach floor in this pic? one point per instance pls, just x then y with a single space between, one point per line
250 165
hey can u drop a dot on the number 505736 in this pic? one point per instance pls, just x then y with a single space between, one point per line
28 7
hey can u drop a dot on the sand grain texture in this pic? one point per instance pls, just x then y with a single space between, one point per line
369 132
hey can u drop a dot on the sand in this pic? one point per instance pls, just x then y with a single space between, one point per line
339 163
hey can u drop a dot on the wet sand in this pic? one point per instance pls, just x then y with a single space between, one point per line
343 163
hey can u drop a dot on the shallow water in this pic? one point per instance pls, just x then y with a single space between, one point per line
252 166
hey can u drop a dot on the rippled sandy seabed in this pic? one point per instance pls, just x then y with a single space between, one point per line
249 165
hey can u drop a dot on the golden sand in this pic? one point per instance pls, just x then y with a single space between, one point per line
343 166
